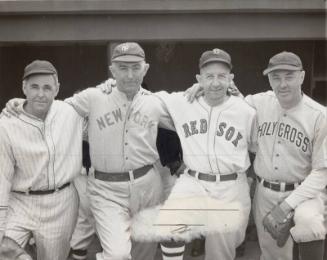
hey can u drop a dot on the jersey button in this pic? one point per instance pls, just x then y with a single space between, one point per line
278 142
126 143
277 155
276 168
284 115
126 158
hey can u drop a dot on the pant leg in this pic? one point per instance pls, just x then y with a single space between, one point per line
85 227
21 218
309 221
58 217
146 192
223 246
264 200
110 207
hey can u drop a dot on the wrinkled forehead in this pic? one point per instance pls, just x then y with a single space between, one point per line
128 64
279 73
215 67
45 79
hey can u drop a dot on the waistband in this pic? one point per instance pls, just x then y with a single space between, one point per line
212 178
278 186
122 176
42 192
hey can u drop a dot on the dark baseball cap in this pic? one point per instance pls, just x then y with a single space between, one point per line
215 55
128 52
284 61
39 67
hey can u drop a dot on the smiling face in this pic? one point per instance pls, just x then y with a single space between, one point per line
215 78
287 86
40 91
129 75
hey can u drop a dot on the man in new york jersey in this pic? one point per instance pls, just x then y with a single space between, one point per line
122 136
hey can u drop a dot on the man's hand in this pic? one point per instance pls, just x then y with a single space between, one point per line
194 92
176 168
278 223
10 250
106 87
233 90
11 108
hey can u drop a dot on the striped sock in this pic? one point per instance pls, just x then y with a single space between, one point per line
79 254
172 250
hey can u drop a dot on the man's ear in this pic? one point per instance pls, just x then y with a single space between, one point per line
24 87
146 67
112 70
198 78
302 75
57 90
231 77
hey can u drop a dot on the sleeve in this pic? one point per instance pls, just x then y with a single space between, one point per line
165 120
316 181
81 101
7 163
250 100
252 139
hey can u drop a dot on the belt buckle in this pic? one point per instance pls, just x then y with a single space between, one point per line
27 192
56 189
131 175
282 186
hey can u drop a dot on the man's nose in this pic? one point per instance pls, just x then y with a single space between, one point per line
40 93
129 73
283 83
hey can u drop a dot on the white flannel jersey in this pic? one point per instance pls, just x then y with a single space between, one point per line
122 133
215 139
39 155
289 144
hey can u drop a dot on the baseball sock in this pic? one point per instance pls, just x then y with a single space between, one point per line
313 250
172 250
79 254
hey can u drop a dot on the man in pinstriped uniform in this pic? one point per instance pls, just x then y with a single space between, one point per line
40 154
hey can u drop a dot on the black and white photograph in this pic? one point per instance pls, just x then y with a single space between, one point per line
163 130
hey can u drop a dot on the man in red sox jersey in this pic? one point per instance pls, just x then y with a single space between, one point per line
215 134
289 163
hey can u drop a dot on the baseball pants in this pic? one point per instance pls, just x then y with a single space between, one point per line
308 219
50 219
113 204
220 246
85 227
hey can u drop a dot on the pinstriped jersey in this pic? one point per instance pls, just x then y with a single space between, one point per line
214 139
287 147
37 154
122 133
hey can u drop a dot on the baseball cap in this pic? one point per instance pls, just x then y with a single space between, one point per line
284 61
39 67
215 55
128 52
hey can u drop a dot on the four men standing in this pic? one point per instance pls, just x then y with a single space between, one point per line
122 135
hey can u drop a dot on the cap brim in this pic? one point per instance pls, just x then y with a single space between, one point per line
128 58
281 67
216 60
45 72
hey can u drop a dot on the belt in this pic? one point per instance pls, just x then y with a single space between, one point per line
280 186
42 192
122 176
212 178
